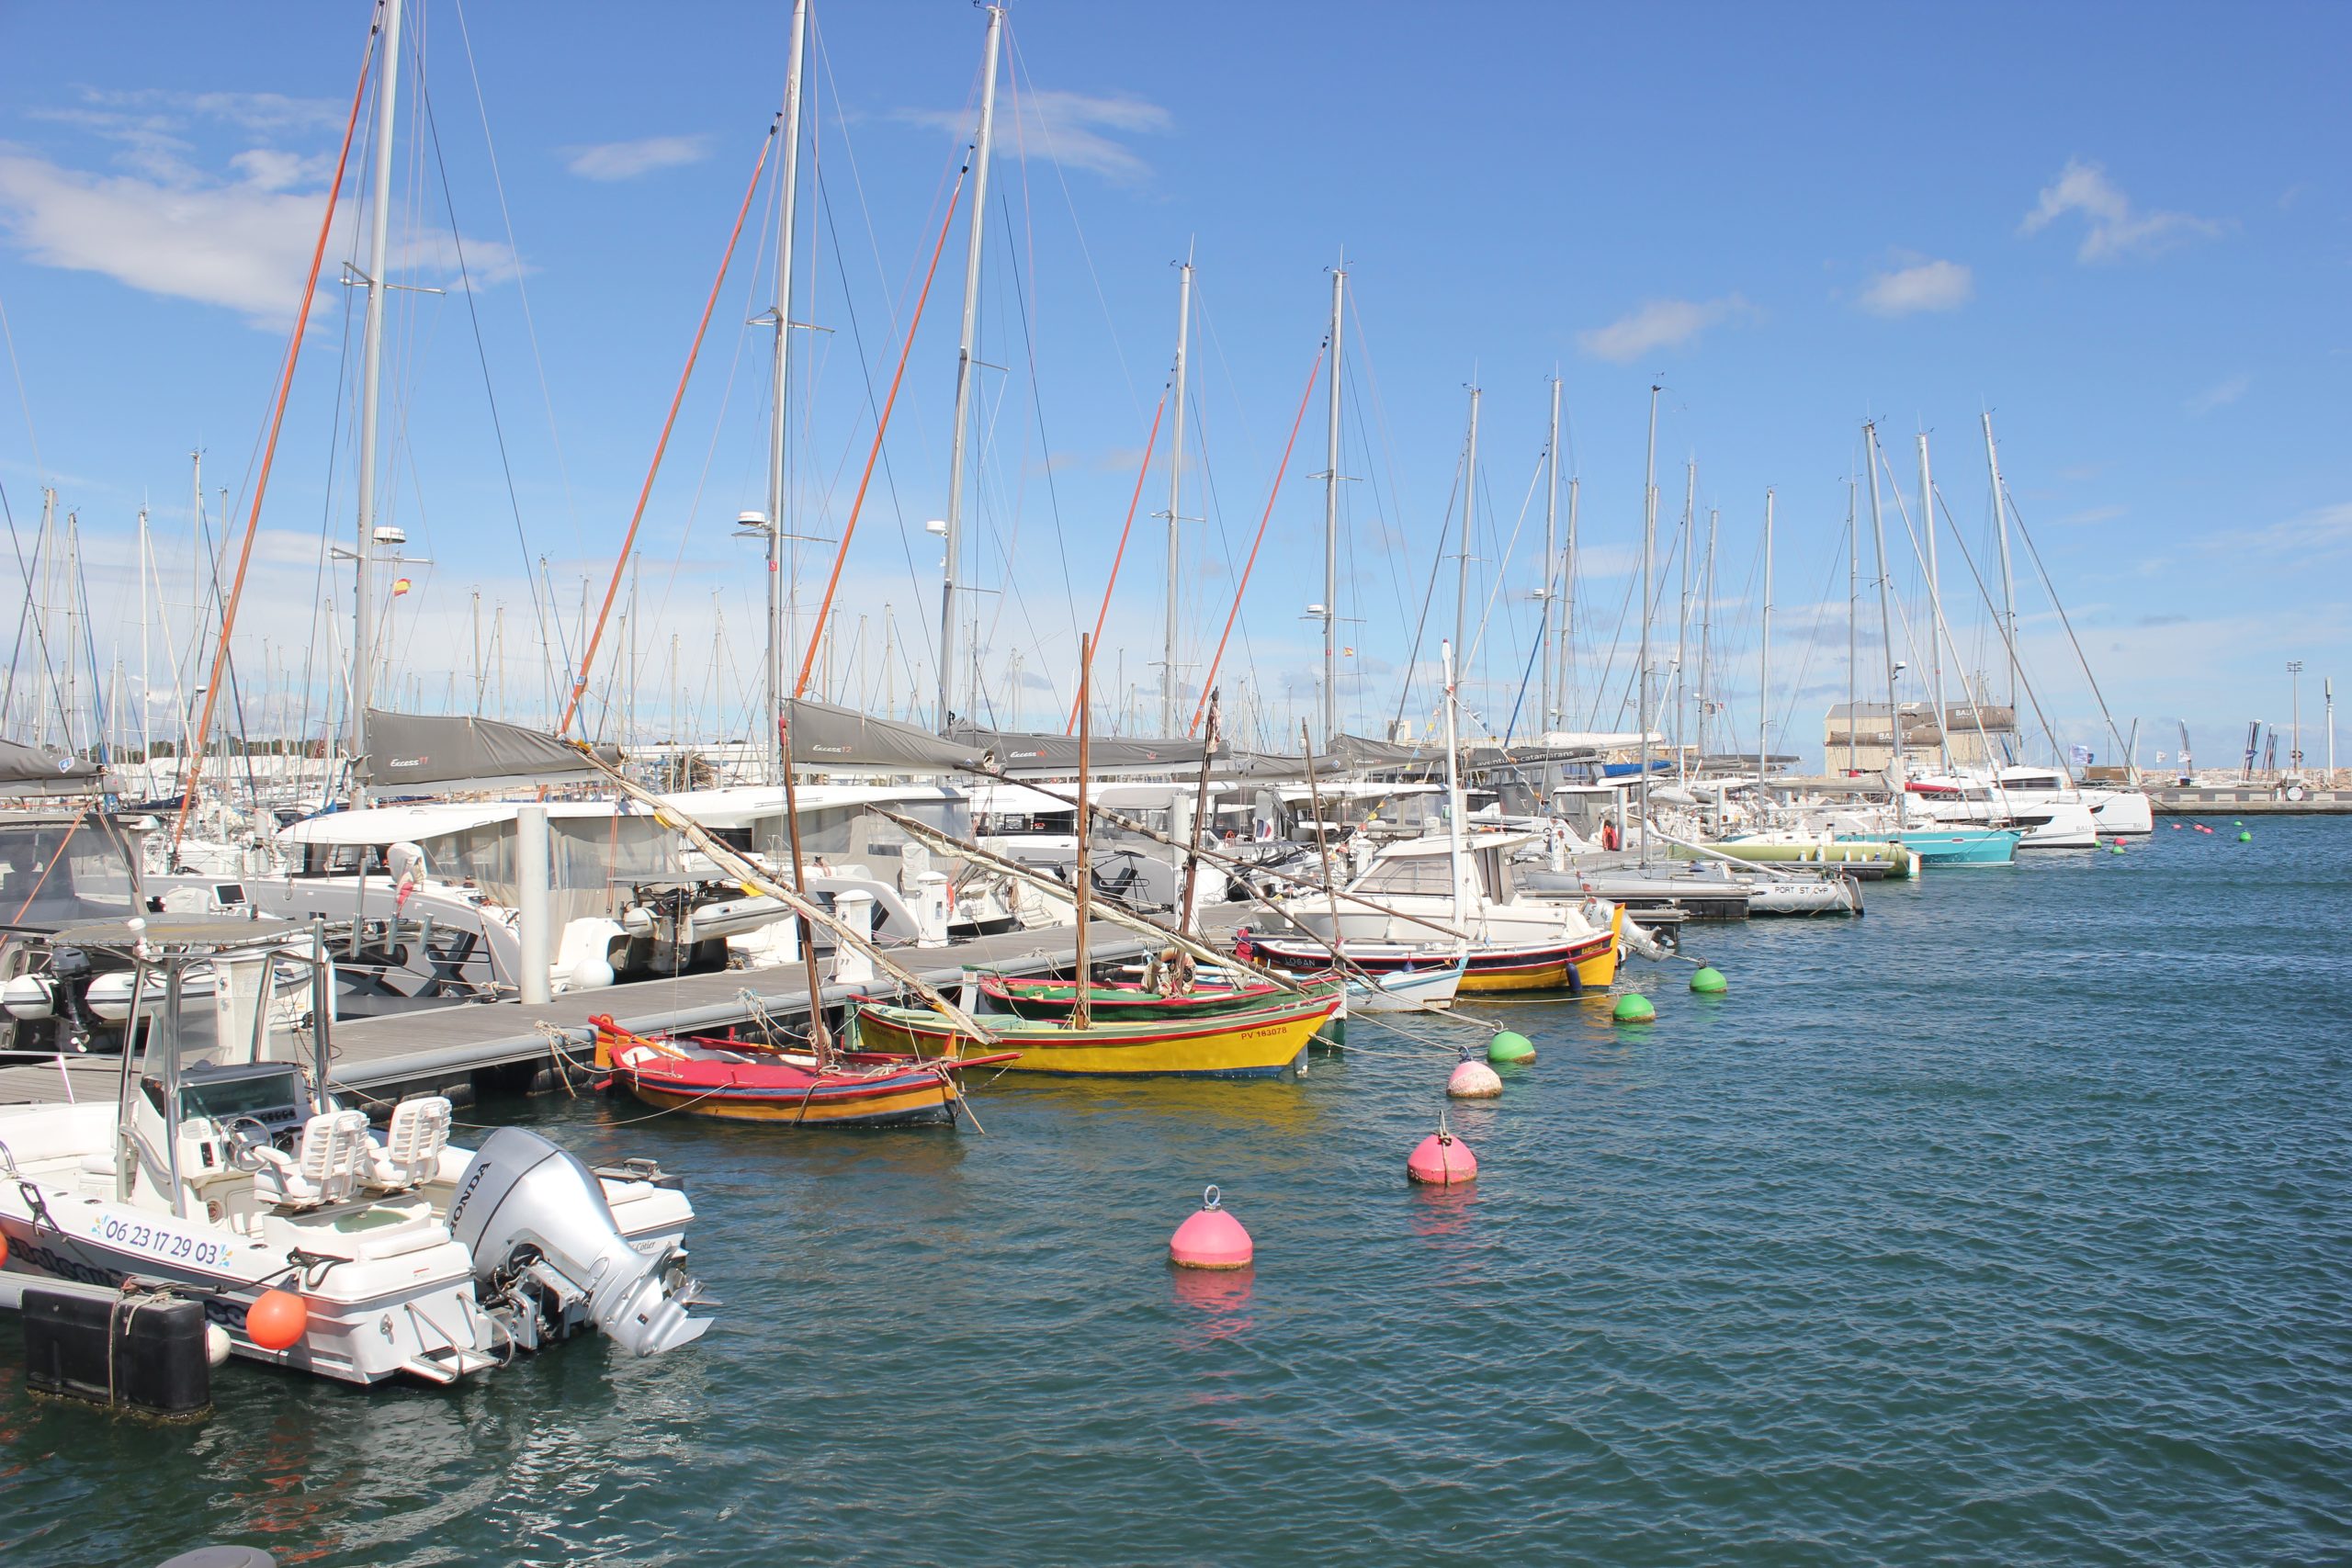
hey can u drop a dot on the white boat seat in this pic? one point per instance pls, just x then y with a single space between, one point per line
360 1233
411 1151
325 1167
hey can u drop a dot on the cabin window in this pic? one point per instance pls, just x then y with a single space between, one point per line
1409 873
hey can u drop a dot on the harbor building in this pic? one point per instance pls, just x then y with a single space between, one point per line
1985 735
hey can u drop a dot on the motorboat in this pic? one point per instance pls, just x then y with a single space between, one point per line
224 1169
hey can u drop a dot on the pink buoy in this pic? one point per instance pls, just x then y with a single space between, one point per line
1475 1081
1211 1238
1443 1160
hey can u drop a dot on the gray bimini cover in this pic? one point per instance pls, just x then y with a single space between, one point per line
1028 753
416 751
824 736
26 770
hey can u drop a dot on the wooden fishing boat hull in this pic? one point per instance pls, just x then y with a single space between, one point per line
1258 1044
867 1090
1052 999
1584 964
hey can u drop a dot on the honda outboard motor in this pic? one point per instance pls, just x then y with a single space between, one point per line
536 1220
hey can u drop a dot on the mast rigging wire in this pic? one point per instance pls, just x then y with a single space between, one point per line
276 423
1208 682
628 540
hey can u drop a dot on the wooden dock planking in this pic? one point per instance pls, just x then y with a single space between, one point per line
446 1044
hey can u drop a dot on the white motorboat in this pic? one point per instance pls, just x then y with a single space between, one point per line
222 1169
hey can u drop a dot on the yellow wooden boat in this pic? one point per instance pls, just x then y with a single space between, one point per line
1257 1044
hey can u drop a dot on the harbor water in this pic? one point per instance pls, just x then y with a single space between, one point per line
2011 1222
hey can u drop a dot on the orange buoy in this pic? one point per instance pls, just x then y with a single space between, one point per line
278 1320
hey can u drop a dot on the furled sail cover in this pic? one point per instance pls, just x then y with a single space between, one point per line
416 751
1031 753
1356 751
29 771
826 736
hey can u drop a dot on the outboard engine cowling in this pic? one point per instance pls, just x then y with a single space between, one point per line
526 1206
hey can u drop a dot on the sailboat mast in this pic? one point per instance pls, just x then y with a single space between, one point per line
146 732
1175 513
1682 615
1081 1015
1551 559
2008 583
1567 597
1453 799
1764 656
371 386
780 386
1462 561
1332 526
1649 572
1704 690
1885 625
966 345
1936 606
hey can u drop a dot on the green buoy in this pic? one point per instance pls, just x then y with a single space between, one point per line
2115 849
2244 836
1633 1007
1511 1048
1709 981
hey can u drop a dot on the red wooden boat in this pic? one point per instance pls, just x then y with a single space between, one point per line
749 1080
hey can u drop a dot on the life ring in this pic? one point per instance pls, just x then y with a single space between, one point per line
2294 792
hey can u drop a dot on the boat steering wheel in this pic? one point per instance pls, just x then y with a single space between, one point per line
247 1137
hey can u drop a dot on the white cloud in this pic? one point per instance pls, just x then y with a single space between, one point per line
2113 228
1078 130
1658 323
243 243
627 160
1923 285
2322 530
2220 394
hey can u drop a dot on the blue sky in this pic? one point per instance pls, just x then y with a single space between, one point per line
2123 230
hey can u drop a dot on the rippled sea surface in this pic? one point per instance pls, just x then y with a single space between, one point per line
2012 1222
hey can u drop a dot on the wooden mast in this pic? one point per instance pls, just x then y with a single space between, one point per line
1081 1015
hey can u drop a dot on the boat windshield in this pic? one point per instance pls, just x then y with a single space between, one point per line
1409 873
64 872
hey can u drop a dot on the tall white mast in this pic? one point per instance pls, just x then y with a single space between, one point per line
1682 614
1454 798
1936 605
1331 526
1469 512
1175 496
2009 585
146 732
371 386
1885 626
1704 690
1649 568
1764 657
1567 597
963 351
780 386
1550 593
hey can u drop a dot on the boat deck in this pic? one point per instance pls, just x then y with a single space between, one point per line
442 1047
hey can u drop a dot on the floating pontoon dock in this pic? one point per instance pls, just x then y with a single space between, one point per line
506 1045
